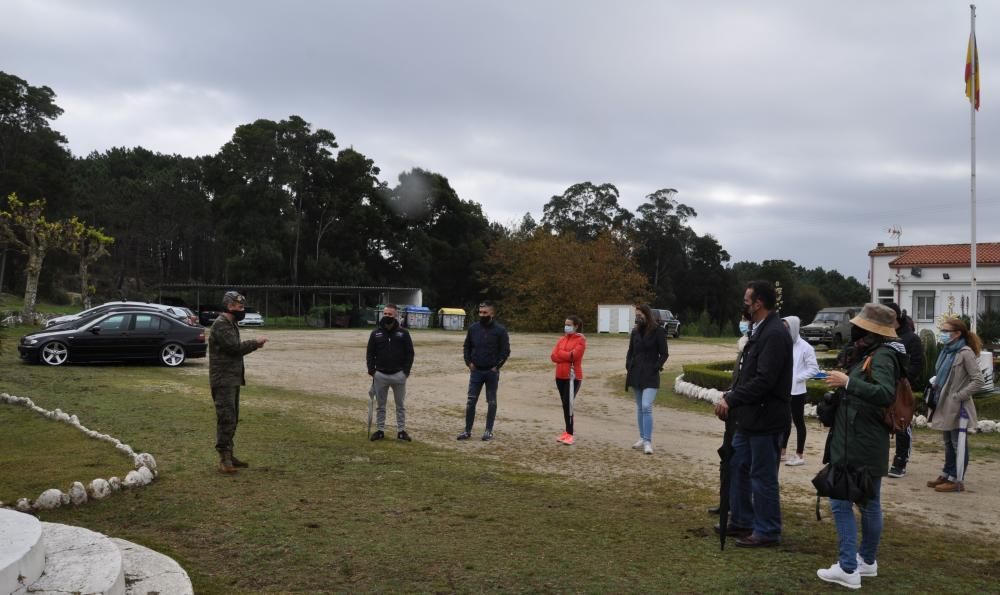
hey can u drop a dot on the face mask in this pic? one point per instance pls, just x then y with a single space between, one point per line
640 321
568 329
485 320
857 333
744 327
944 337
387 322
238 315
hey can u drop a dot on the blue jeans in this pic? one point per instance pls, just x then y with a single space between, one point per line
847 528
478 379
753 488
951 455
644 398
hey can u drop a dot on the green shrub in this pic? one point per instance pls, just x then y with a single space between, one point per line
988 327
719 375
988 406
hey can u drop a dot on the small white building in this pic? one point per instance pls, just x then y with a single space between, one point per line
615 318
932 279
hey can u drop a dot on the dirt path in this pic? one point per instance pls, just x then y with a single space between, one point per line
530 417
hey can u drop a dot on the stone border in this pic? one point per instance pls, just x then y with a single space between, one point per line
98 489
693 391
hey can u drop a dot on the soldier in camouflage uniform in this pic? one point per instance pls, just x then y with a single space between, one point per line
226 375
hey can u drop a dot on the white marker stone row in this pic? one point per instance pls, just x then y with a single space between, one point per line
143 473
712 395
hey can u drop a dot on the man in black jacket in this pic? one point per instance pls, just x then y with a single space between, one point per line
486 349
390 357
915 351
759 405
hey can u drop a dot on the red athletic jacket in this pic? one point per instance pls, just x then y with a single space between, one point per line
569 347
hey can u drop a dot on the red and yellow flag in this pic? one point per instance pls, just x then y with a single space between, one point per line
972 66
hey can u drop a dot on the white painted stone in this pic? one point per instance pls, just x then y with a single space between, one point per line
115 483
22 552
145 459
147 571
23 504
77 494
133 480
145 475
49 499
78 560
99 489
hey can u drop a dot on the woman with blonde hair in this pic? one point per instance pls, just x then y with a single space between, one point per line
957 378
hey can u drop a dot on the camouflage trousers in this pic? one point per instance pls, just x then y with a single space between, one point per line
227 415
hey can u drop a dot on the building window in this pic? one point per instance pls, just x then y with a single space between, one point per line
885 296
923 305
989 301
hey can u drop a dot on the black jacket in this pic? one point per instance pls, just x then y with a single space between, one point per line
915 350
486 347
645 358
390 351
759 398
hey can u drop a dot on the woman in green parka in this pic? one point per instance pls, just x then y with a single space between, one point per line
860 438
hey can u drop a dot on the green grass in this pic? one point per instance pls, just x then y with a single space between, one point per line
59 455
324 510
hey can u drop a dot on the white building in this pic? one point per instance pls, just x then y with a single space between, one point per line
930 280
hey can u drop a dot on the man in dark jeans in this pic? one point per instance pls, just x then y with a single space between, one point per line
915 350
759 405
487 347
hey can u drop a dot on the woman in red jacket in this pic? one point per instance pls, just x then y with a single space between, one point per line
569 352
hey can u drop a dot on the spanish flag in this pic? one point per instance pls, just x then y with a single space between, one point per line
972 71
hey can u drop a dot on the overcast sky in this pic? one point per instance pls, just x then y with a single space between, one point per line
796 130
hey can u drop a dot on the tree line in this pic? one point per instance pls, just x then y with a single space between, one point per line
282 203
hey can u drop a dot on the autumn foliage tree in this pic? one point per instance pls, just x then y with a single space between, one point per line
546 277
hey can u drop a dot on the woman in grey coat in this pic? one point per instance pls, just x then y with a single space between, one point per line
958 378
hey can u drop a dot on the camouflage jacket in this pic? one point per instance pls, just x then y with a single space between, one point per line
225 354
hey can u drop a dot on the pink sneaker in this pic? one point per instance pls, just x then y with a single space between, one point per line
568 440
563 437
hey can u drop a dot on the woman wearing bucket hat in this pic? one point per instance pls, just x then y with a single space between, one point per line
860 439
957 378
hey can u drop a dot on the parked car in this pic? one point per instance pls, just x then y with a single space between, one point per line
668 321
207 313
175 312
830 327
252 318
118 335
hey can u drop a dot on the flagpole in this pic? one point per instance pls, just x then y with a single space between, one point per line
974 301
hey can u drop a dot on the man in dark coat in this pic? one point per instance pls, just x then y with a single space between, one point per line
759 405
226 374
915 352
389 358
486 349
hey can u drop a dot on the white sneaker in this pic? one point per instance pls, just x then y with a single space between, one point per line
835 574
795 461
867 569
647 447
639 444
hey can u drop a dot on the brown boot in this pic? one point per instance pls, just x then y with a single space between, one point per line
226 462
236 462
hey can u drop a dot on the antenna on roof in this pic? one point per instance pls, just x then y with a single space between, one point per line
895 232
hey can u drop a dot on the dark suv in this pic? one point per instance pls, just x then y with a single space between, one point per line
668 321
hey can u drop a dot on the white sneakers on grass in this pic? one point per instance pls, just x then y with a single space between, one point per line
794 461
835 574
647 447
639 444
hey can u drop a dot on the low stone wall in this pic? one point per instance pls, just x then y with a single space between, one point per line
143 472
693 391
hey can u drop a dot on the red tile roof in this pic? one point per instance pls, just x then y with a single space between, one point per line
945 255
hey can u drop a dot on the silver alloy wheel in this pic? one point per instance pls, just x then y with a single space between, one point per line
172 355
55 353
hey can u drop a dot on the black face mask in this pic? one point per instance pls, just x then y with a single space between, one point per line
640 322
238 315
387 322
485 320
857 333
